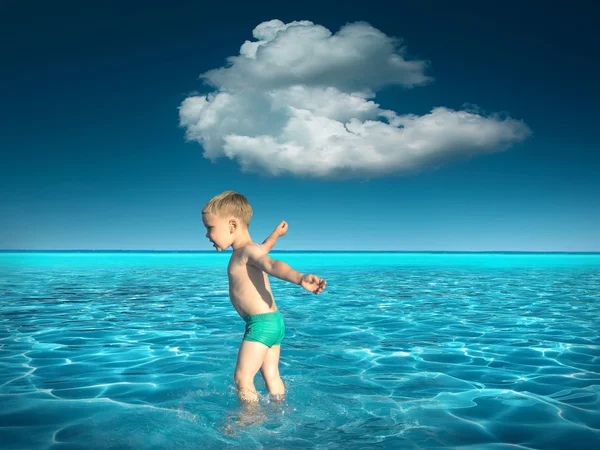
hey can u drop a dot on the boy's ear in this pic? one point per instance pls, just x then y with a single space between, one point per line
232 225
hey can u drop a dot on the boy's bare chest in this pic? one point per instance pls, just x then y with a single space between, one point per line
236 267
238 272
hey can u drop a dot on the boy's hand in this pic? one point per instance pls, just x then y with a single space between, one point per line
313 283
281 229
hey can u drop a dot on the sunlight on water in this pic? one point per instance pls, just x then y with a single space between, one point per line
478 351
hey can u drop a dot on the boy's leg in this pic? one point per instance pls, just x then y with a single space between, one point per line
270 372
250 359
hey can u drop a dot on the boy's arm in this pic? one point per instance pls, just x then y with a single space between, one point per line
269 242
259 259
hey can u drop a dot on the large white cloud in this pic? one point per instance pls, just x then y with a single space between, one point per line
298 100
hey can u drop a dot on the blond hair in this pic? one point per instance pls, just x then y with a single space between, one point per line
230 203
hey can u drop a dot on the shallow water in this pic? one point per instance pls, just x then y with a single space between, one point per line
403 350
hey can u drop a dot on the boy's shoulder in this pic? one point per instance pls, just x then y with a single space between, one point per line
251 251
254 250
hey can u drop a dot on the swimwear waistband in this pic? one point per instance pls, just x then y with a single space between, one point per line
261 317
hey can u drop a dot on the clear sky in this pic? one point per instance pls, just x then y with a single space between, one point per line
358 127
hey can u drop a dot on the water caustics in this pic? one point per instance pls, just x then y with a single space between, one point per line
401 351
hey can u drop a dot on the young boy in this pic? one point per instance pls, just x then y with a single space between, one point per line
226 218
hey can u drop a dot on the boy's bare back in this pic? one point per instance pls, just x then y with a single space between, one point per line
249 288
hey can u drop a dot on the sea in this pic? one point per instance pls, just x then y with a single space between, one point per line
403 350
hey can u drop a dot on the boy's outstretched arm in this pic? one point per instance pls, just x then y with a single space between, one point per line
279 231
258 258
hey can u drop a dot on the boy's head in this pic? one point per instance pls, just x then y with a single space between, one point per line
224 216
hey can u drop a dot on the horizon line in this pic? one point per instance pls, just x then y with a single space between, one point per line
306 251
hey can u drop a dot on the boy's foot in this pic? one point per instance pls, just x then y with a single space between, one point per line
277 398
249 414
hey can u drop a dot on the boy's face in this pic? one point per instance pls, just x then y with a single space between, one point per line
218 231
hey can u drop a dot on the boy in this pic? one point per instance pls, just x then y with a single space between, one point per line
226 218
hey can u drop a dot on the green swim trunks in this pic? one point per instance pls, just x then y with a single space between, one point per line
267 328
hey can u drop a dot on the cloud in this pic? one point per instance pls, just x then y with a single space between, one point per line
299 100
302 53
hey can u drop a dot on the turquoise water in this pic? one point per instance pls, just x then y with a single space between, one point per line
403 350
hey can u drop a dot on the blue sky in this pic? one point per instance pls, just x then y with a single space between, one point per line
94 157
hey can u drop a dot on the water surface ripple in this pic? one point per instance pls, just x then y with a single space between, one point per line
412 351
